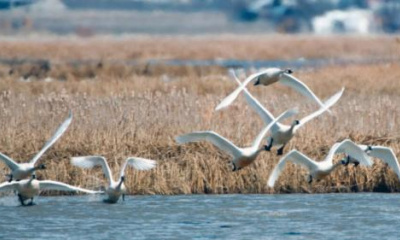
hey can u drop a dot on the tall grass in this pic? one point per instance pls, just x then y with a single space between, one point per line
140 115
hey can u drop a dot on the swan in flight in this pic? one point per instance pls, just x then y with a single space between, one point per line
25 170
270 76
242 157
319 170
281 134
28 188
381 152
115 188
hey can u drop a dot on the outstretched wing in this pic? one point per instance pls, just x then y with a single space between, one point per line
351 149
8 186
284 115
61 129
299 86
265 115
294 156
54 185
327 104
210 136
231 97
9 162
139 164
387 155
90 162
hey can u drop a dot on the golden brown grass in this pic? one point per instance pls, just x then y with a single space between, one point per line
139 115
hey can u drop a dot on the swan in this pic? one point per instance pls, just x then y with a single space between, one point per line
115 188
28 188
381 152
281 134
319 170
25 170
270 76
242 157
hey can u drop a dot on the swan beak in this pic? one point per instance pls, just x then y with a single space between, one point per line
288 71
257 82
369 148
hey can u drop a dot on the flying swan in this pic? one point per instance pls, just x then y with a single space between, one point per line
28 188
115 188
270 76
25 170
281 134
381 152
242 157
319 170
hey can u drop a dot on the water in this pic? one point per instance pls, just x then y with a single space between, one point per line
293 216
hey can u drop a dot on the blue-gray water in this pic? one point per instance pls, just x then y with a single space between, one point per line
294 216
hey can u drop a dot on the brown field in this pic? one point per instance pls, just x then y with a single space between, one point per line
121 113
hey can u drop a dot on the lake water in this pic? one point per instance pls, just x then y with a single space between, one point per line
292 216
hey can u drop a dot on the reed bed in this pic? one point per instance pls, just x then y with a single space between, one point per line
140 115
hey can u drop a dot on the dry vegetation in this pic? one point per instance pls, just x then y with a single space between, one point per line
138 114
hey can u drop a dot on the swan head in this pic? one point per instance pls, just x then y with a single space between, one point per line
295 122
288 71
41 166
369 148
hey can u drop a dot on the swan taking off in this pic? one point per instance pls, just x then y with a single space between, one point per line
115 188
270 76
25 170
319 170
242 157
281 134
28 188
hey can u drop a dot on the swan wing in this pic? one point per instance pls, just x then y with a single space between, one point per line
261 135
265 115
387 155
8 186
327 104
54 185
299 86
61 129
91 161
294 156
231 97
139 164
210 136
9 162
351 149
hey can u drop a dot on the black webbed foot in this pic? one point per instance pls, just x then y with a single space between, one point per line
356 163
280 151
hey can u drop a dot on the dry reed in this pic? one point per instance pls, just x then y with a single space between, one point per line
139 115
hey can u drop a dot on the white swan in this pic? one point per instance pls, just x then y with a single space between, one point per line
25 170
319 170
281 134
381 152
115 188
270 76
242 157
28 188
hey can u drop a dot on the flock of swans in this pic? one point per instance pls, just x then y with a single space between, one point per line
281 134
22 178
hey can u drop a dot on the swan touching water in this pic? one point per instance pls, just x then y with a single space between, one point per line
29 188
242 157
25 170
270 76
319 170
115 188
281 134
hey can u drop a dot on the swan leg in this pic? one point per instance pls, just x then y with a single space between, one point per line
269 146
21 200
310 179
280 150
347 161
123 197
234 167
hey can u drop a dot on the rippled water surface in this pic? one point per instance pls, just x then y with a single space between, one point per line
294 216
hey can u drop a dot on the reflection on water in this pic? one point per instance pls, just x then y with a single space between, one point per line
294 216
